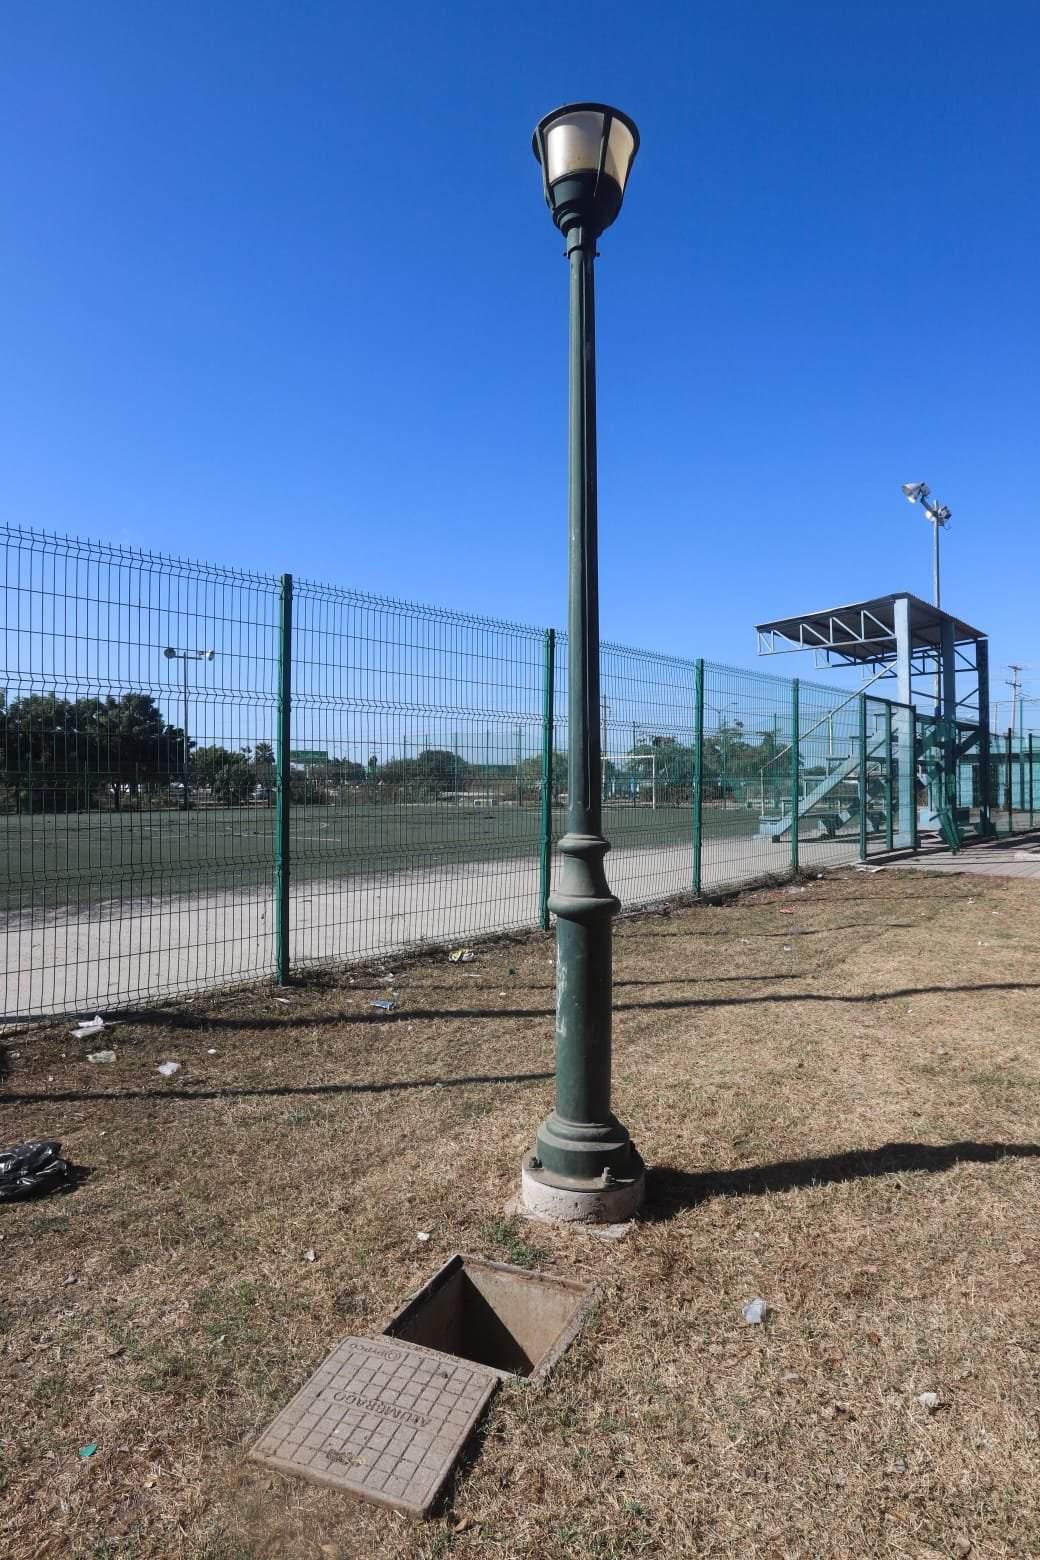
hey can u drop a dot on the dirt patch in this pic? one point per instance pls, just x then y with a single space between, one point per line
836 1088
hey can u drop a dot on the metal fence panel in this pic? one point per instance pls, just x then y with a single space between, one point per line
417 784
209 775
116 884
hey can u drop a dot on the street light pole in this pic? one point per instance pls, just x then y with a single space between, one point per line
584 1165
184 728
184 656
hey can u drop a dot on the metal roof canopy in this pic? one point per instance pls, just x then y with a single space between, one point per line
865 632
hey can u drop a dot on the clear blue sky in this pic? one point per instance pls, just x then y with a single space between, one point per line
280 290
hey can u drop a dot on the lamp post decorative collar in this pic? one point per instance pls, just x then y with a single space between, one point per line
584 1166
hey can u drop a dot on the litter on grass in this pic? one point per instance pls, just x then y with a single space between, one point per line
754 1312
30 1169
101 1056
168 1068
461 956
387 1006
88 1027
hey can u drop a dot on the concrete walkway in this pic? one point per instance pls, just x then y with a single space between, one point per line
111 953
1017 857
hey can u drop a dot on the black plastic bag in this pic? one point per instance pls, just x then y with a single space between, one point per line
32 1169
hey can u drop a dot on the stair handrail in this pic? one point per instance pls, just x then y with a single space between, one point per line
855 694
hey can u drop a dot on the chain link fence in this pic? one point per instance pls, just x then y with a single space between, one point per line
209 775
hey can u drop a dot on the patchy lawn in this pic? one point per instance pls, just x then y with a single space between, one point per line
837 1087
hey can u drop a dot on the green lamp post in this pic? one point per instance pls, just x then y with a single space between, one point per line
583 1165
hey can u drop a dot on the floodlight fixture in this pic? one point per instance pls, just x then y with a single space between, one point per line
937 515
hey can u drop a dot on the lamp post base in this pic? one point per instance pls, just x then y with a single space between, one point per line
568 1200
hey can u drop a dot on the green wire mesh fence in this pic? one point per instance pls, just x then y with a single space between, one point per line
208 775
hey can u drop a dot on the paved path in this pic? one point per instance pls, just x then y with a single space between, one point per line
120 952
1017 857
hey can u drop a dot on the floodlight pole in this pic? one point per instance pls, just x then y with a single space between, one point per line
938 515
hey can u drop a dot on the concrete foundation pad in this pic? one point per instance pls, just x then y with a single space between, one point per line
545 1199
513 1208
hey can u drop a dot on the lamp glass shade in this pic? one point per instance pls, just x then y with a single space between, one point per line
573 143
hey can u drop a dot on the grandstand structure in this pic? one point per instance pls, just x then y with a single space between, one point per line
933 668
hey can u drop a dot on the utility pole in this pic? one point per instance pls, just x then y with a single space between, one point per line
1014 682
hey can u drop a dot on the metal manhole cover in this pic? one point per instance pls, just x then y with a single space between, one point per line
382 1421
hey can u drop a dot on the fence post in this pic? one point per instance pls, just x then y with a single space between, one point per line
698 771
282 793
862 777
1008 788
915 838
548 721
890 833
794 774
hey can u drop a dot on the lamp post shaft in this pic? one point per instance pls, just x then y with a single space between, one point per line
935 562
582 1143
584 812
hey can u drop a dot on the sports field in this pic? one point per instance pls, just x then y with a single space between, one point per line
105 855
110 911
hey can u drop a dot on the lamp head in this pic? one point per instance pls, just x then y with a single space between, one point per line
916 490
585 151
169 652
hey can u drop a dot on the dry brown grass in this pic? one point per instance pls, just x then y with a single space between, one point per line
763 1062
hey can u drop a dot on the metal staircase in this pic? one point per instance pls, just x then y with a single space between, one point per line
829 822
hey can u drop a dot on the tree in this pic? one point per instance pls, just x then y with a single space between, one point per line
135 745
439 769
49 756
57 752
343 771
265 768
531 774
208 762
234 783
